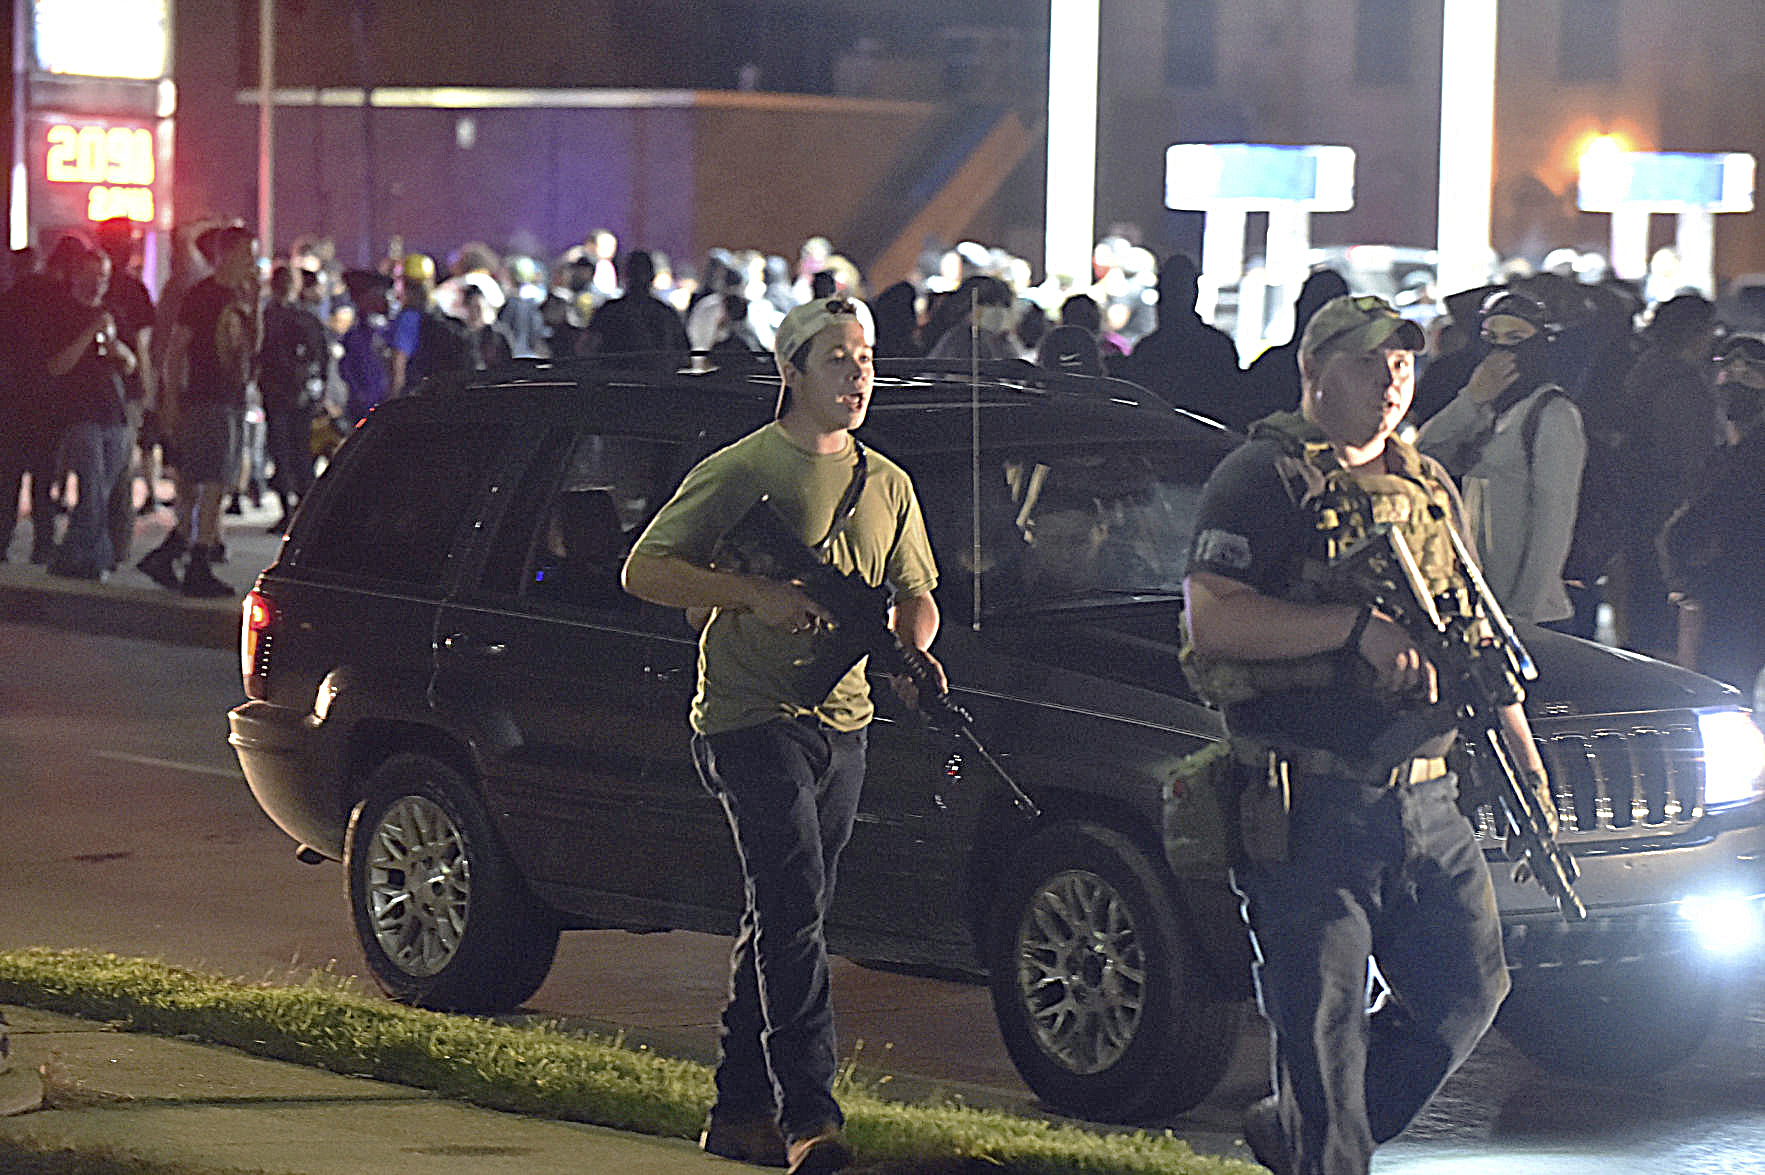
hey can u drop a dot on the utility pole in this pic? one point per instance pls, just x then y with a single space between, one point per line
1073 35
1467 142
266 126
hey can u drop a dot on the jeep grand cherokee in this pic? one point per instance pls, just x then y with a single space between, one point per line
450 694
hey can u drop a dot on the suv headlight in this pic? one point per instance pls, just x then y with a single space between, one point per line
1734 757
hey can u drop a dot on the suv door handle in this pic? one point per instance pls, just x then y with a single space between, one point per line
458 642
655 674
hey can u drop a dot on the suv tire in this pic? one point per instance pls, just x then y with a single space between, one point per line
440 911
1617 1022
1093 982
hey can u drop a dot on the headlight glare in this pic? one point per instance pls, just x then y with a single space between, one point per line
1725 924
1734 757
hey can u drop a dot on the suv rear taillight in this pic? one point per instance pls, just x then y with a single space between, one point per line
257 635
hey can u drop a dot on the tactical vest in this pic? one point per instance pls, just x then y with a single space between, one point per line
1344 505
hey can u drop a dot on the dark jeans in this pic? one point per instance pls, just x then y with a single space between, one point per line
290 450
1392 874
97 454
790 789
32 449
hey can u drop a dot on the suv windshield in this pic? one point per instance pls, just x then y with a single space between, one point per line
1061 525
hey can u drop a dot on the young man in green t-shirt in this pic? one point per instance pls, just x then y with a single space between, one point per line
787 766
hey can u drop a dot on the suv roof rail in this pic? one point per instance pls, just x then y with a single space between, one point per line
758 370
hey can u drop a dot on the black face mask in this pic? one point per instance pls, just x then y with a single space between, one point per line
1531 359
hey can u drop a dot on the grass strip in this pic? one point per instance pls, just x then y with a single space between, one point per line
538 1069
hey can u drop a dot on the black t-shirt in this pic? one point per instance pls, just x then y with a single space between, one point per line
1250 526
92 392
131 305
294 350
221 344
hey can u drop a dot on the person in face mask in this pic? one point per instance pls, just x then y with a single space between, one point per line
1514 440
1712 548
993 318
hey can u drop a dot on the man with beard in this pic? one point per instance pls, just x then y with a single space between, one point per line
1353 844
1513 439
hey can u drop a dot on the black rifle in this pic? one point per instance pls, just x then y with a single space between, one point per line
761 544
1479 676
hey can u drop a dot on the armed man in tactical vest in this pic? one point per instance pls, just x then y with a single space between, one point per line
1353 846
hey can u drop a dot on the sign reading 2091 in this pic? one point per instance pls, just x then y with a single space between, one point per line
117 165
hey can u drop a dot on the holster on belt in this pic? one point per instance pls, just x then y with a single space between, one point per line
1265 809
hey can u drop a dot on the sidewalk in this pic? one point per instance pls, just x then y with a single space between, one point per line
131 605
176 1103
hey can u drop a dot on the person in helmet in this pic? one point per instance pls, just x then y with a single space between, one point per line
425 340
1513 439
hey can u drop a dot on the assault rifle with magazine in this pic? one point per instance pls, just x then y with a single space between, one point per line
1481 672
761 544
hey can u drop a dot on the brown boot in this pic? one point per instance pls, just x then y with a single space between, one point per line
820 1153
747 1140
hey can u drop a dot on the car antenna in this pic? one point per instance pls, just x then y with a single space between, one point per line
974 454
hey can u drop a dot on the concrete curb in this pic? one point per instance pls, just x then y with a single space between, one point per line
131 605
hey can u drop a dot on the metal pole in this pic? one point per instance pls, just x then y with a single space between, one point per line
1467 142
1073 35
266 125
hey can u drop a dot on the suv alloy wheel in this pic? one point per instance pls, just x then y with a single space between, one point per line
1093 983
442 916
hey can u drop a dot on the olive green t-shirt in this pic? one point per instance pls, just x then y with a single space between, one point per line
749 672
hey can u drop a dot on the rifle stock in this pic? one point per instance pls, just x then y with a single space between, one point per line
1480 677
761 544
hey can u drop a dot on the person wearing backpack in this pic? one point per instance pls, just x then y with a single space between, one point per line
1514 441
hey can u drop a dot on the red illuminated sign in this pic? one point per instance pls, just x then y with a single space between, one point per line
116 165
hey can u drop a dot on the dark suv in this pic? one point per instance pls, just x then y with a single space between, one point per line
451 695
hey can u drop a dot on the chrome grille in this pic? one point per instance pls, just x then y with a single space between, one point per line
1619 783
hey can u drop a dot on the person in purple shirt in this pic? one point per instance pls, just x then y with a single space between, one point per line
366 365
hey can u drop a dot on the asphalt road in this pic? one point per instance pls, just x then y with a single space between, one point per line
125 826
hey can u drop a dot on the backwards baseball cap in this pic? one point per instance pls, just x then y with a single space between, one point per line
1362 323
811 318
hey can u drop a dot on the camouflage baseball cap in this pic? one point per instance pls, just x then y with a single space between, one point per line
1360 323
810 319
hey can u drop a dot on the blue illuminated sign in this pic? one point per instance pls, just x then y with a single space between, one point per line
1666 181
1258 175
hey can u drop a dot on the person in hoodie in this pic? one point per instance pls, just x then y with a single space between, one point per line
1513 439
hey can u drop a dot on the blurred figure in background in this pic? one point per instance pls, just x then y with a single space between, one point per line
131 308
1713 546
293 364
1185 360
203 405
29 435
366 364
87 362
636 321
1669 410
1512 438
1271 382
992 321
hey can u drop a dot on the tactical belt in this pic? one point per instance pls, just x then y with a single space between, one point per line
1311 761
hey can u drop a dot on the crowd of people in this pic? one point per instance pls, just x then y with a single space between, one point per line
1586 445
